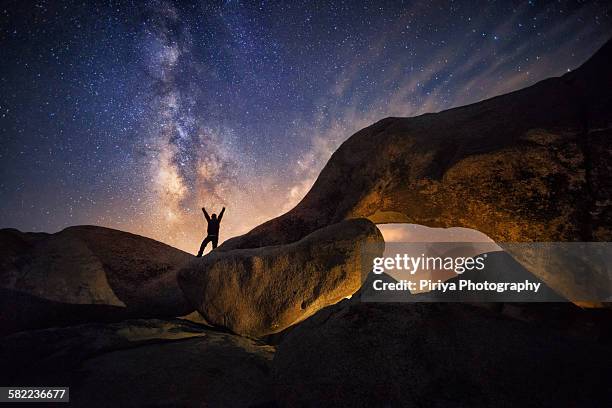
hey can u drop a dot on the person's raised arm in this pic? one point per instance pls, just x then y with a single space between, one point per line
221 214
206 214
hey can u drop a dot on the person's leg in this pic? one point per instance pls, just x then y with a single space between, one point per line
215 240
203 246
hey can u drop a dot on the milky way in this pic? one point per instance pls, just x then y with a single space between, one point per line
135 116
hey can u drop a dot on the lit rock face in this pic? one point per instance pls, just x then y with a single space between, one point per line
435 355
86 273
264 290
532 165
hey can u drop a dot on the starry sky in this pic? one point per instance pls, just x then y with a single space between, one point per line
133 115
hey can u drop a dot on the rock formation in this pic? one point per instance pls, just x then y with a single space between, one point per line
264 290
531 165
84 274
435 354
141 362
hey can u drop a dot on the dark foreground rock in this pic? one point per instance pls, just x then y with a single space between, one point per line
86 273
531 165
436 355
264 290
141 363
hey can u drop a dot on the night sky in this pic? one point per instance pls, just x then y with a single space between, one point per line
134 116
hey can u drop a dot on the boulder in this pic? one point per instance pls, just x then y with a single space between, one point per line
436 354
260 291
141 362
86 273
529 166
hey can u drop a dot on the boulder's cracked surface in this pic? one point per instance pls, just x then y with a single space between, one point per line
264 290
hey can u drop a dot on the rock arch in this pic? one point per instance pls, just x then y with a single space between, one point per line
528 166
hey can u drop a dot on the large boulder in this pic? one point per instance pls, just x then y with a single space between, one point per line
436 355
138 363
264 290
86 273
529 166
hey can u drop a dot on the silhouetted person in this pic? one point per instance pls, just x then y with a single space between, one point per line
213 230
